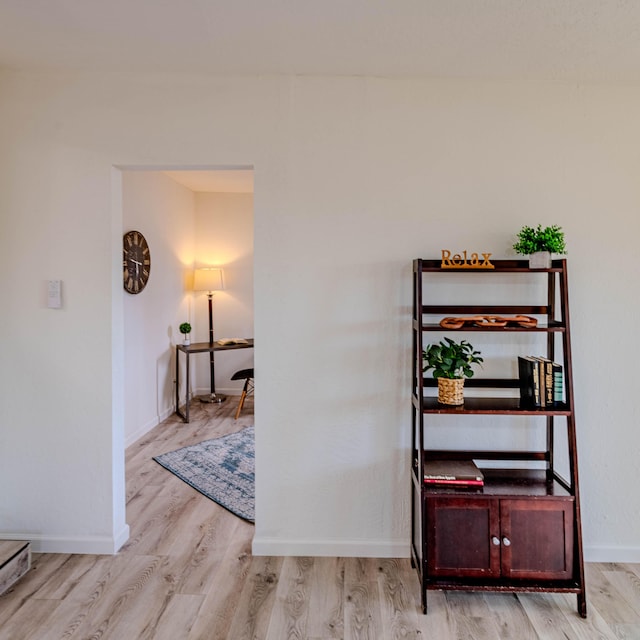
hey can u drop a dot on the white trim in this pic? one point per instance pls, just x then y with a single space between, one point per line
234 391
397 549
145 428
331 548
276 547
165 414
612 554
121 538
101 545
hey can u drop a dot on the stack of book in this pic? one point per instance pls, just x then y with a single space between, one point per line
457 473
541 382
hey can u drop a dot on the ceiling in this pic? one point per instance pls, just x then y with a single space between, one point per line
541 40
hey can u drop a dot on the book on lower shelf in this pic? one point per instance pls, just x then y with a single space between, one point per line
463 473
541 382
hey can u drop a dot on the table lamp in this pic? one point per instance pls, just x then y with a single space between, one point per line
210 280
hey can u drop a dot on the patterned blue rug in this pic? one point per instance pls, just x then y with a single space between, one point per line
221 469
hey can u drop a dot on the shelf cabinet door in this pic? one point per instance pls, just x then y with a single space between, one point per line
537 539
516 538
462 537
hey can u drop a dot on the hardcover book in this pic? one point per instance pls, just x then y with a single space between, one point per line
541 382
529 383
462 472
545 367
558 384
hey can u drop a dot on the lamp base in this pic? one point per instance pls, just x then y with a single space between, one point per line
212 398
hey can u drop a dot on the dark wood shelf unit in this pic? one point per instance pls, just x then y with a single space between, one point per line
521 530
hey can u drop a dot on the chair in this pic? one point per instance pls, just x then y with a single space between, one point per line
247 376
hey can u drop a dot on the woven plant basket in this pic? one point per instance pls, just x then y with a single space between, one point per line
451 390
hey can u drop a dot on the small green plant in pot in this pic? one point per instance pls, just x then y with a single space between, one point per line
185 330
539 244
451 363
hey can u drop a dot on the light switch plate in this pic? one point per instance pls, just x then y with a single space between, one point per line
54 296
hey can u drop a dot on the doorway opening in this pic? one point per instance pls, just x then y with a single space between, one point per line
191 217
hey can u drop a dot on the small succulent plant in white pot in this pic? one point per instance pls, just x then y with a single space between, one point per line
185 330
539 244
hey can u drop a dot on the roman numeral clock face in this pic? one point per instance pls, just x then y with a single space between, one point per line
136 262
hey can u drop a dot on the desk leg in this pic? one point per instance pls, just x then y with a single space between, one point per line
177 381
186 403
184 416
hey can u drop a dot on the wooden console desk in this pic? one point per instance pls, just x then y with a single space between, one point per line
198 347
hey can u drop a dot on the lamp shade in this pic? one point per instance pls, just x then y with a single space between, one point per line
208 279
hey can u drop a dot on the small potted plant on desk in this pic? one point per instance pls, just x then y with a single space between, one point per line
539 244
451 363
185 330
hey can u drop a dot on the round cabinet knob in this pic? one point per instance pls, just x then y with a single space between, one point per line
495 541
506 542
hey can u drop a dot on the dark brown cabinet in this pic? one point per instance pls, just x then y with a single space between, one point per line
511 538
521 530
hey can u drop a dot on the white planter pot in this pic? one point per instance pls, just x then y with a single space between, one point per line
540 260
186 342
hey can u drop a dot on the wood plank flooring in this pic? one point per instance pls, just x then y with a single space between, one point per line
187 574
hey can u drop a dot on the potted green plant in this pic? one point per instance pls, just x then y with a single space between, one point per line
539 244
185 330
451 363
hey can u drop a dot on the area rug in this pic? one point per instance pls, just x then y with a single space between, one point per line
223 469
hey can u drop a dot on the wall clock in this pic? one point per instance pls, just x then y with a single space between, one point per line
136 262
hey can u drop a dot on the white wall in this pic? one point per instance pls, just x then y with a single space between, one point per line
354 178
164 212
224 238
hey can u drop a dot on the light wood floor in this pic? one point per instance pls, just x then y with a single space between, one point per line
187 573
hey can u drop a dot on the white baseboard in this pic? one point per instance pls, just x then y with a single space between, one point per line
221 390
104 545
145 428
397 549
331 548
121 538
98 545
166 413
612 554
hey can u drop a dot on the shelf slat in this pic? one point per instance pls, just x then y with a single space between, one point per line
552 327
469 584
500 266
493 406
484 383
485 309
468 454
503 482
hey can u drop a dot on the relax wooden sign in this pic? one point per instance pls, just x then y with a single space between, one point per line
462 261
